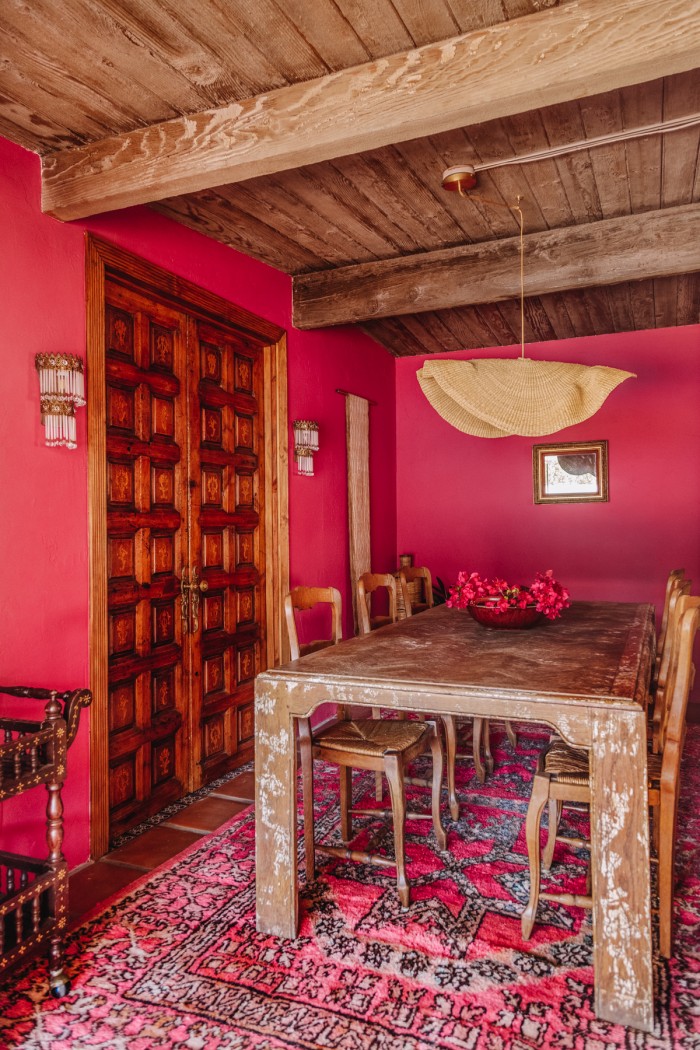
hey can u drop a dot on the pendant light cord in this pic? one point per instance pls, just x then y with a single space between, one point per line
516 208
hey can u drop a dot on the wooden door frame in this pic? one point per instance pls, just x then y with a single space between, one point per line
103 260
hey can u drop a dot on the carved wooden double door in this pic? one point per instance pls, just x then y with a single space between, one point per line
186 612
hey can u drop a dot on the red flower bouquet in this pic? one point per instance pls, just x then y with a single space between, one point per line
545 595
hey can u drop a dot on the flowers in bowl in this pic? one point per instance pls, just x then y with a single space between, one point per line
544 595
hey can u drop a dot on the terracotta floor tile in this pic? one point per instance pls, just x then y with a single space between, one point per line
96 882
241 787
207 814
153 847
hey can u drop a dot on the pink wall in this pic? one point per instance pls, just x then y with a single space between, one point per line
318 505
466 502
43 528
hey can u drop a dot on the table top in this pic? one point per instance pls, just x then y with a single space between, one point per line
596 652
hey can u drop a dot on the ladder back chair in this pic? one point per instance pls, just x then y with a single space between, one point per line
385 746
675 578
417 588
303 599
677 587
664 767
562 777
367 585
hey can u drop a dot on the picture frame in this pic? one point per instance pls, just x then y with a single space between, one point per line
570 472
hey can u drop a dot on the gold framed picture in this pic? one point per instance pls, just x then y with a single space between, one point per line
570 472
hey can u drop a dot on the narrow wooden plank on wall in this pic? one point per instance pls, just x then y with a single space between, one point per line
357 435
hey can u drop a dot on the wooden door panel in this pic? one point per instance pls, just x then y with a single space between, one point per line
165 697
146 511
226 526
185 441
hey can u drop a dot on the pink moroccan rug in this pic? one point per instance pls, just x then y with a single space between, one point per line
175 961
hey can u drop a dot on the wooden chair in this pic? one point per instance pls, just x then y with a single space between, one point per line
664 768
388 747
675 578
303 599
367 585
481 740
562 777
676 587
482 735
420 597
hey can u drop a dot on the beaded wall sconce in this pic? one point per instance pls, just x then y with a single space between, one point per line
305 445
62 390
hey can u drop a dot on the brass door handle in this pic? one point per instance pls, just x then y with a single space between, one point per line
195 587
185 601
189 592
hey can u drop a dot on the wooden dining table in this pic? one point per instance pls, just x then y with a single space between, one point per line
586 675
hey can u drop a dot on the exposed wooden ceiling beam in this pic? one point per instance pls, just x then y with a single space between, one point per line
629 248
582 48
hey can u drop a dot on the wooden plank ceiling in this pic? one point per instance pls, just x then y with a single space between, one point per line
611 231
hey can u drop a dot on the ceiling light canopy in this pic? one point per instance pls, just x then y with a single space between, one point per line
502 397
459 179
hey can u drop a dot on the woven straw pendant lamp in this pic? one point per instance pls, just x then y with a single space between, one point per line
501 397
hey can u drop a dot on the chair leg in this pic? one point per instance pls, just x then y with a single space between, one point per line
394 775
378 784
655 834
477 736
448 722
436 750
511 734
345 773
665 817
307 779
487 745
538 800
555 808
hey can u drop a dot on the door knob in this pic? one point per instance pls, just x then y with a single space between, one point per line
196 583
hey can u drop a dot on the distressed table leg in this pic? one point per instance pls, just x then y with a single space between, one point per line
275 812
624 990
